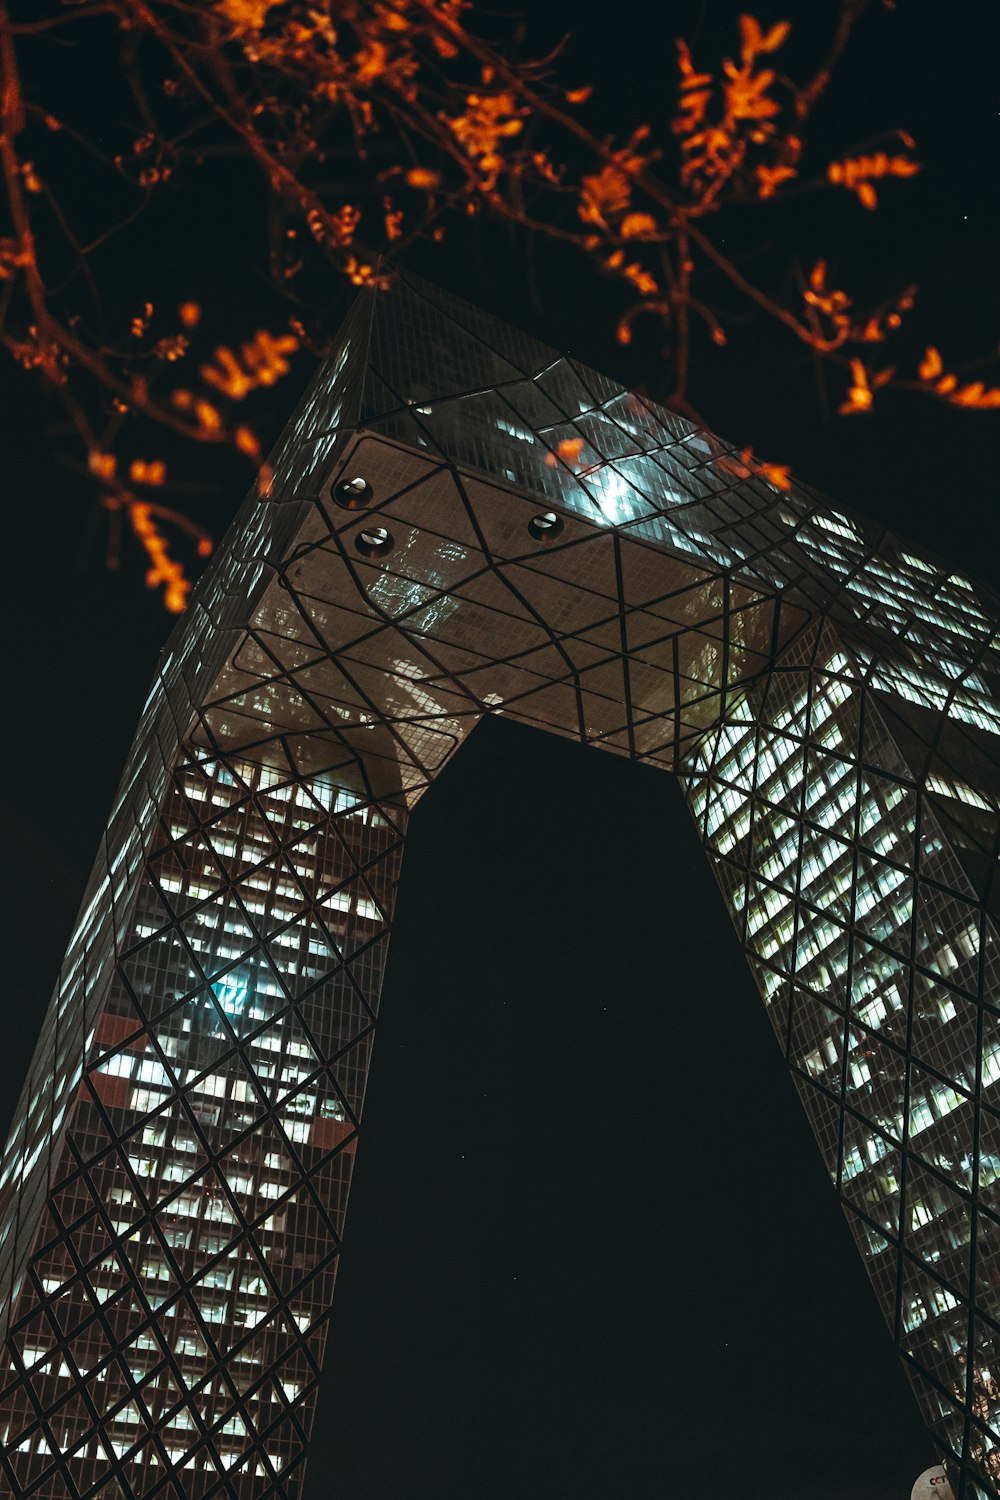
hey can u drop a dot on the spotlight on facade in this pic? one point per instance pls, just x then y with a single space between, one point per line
354 493
374 541
547 527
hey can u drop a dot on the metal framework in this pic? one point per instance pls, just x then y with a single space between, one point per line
464 522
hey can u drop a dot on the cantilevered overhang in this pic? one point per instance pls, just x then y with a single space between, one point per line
418 595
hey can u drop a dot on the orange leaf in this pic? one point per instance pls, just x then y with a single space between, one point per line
246 442
101 464
689 78
604 194
753 41
423 177
163 569
208 417
750 37
930 365
643 282
746 95
859 396
744 464
569 451
856 172
977 396
141 472
772 40
780 475
638 226
770 178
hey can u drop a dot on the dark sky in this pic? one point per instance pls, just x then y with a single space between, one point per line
592 1248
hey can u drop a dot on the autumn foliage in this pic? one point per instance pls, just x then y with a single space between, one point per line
369 125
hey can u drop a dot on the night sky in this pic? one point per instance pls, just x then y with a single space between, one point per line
592 1249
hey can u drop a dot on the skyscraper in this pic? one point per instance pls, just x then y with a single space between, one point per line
464 522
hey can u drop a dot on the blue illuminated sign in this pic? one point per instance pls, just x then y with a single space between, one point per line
231 994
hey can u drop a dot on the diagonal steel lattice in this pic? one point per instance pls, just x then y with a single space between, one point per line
464 522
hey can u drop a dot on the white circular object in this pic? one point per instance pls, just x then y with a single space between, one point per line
932 1485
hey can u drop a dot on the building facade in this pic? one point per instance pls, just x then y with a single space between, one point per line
464 522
